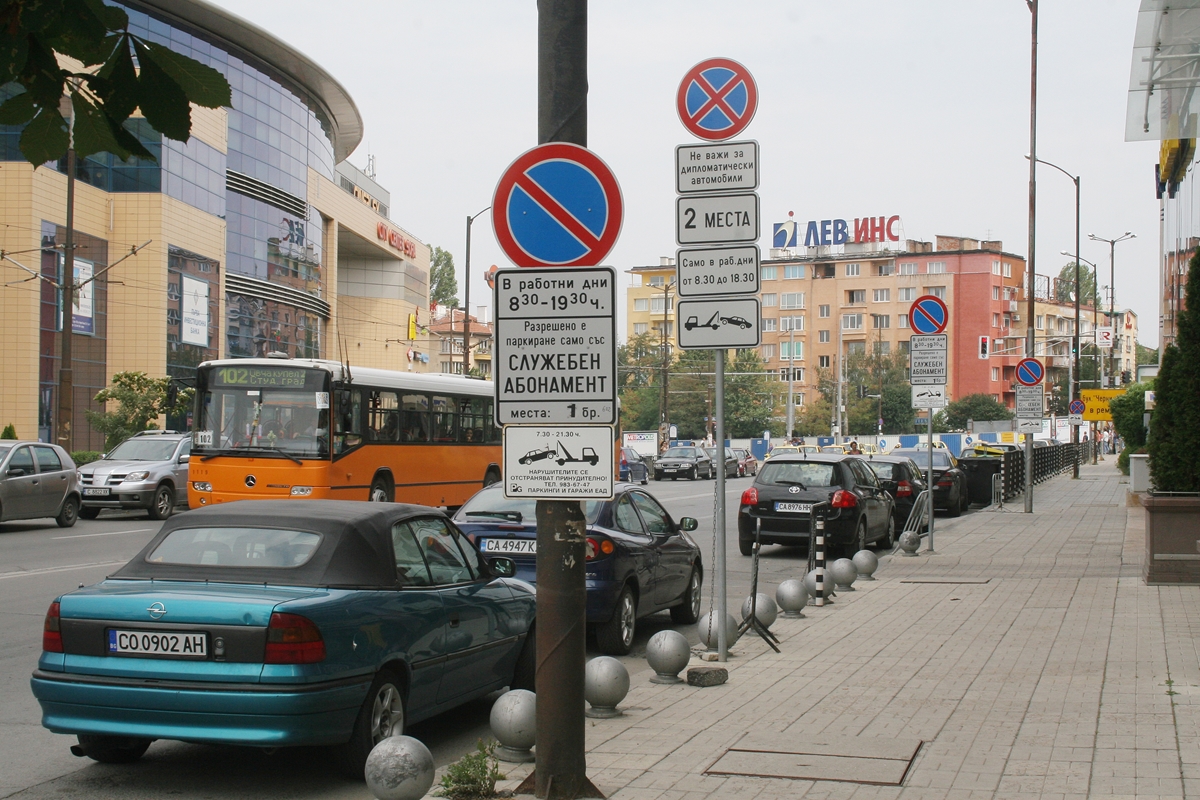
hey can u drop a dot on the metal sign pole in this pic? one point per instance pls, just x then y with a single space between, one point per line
930 480
719 520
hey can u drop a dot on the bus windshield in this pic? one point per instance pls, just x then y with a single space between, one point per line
262 411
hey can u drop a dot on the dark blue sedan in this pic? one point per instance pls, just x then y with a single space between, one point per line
274 623
639 560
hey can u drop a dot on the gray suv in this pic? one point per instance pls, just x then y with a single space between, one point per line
148 470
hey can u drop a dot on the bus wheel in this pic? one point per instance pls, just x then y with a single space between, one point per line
492 476
381 490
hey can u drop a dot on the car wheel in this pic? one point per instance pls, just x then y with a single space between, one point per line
89 513
954 509
526 671
615 637
890 541
860 538
379 491
381 716
163 503
745 545
490 477
688 611
966 500
112 749
67 516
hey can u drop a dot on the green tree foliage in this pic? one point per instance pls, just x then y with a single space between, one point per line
1146 355
1127 413
1064 287
1174 443
443 285
748 397
106 92
10 432
871 374
975 407
639 375
139 401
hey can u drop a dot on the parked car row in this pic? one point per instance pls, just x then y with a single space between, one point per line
695 462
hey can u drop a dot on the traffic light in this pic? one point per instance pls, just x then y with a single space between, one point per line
1125 376
984 347
862 391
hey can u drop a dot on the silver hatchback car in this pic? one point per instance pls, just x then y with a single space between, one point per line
148 470
38 480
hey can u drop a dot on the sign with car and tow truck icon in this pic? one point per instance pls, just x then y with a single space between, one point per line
558 461
716 323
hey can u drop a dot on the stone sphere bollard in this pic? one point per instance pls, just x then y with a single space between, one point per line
668 653
810 583
866 562
514 724
765 610
792 596
844 574
399 768
707 628
910 542
605 684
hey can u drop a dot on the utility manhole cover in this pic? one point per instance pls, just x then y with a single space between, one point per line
950 581
881 762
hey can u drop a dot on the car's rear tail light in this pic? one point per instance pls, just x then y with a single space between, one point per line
293 639
750 497
51 636
844 499
945 482
598 547
903 489
624 463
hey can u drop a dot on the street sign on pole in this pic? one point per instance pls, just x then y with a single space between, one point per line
1030 407
1075 412
717 99
718 324
1104 338
557 205
928 315
1030 373
928 359
550 462
706 271
716 219
716 167
555 347
929 396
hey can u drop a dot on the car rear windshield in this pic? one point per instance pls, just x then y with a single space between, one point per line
810 474
144 449
680 452
882 470
494 506
236 547
940 458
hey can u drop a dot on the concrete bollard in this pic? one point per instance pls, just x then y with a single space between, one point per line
866 562
765 610
514 724
668 653
605 684
792 596
844 573
399 768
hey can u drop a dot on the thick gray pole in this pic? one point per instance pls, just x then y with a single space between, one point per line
719 517
930 480
66 380
1030 349
1075 339
466 304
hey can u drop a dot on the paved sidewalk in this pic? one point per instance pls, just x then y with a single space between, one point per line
1060 676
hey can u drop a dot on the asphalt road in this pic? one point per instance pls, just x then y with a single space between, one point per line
38 561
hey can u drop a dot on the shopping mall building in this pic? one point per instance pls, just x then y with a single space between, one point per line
262 238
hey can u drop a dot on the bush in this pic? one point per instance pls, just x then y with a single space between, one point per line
472 776
1174 442
10 432
1128 411
81 457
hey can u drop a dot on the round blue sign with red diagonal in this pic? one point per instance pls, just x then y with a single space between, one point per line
717 99
1030 372
557 205
928 315
1076 407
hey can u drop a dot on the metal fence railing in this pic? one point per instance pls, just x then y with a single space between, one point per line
1047 462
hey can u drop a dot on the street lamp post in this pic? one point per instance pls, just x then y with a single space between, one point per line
1112 293
666 355
1032 272
791 412
466 301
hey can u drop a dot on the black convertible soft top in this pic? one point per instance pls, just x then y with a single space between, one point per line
355 549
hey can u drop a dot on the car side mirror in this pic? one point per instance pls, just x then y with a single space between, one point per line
688 524
502 567
184 459
16 472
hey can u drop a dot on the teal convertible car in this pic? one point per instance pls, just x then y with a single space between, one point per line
278 623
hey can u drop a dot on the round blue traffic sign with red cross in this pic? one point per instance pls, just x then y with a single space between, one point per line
557 205
717 99
928 315
1030 372
1076 407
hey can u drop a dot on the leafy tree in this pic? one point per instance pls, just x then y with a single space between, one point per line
443 285
140 399
639 382
748 399
10 432
1127 413
976 407
1146 355
1174 443
815 417
1064 287
105 93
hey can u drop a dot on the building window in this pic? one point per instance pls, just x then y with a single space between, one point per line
856 297
823 362
657 280
641 304
768 352
935 267
902 320
785 374
823 337
823 312
856 348
791 300
996 370
852 322
906 294
770 300
884 270
1039 322
791 323
936 291
997 346
880 321
1008 270
883 348
881 295
1008 321
902 346
853 270
768 324
908 268
995 267
657 304
767 273
786 352
641 328
793 272
995 292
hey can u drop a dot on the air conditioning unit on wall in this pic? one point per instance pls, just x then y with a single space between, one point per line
1016 317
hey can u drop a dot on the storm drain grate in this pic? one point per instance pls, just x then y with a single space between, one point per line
879 762
950 581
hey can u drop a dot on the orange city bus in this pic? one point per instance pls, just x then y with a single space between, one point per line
274 428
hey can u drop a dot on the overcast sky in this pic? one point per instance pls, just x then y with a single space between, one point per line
866 108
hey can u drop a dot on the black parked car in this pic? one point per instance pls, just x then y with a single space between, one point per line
732 464
684 462
902 479
639 560
786 488
949 482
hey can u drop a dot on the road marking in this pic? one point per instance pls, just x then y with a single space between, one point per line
48 570
109 533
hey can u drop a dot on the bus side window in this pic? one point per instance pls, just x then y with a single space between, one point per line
349 423
491 431
415 424
444 417
383 423
471 420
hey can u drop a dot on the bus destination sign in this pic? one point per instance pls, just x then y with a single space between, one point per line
556 348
